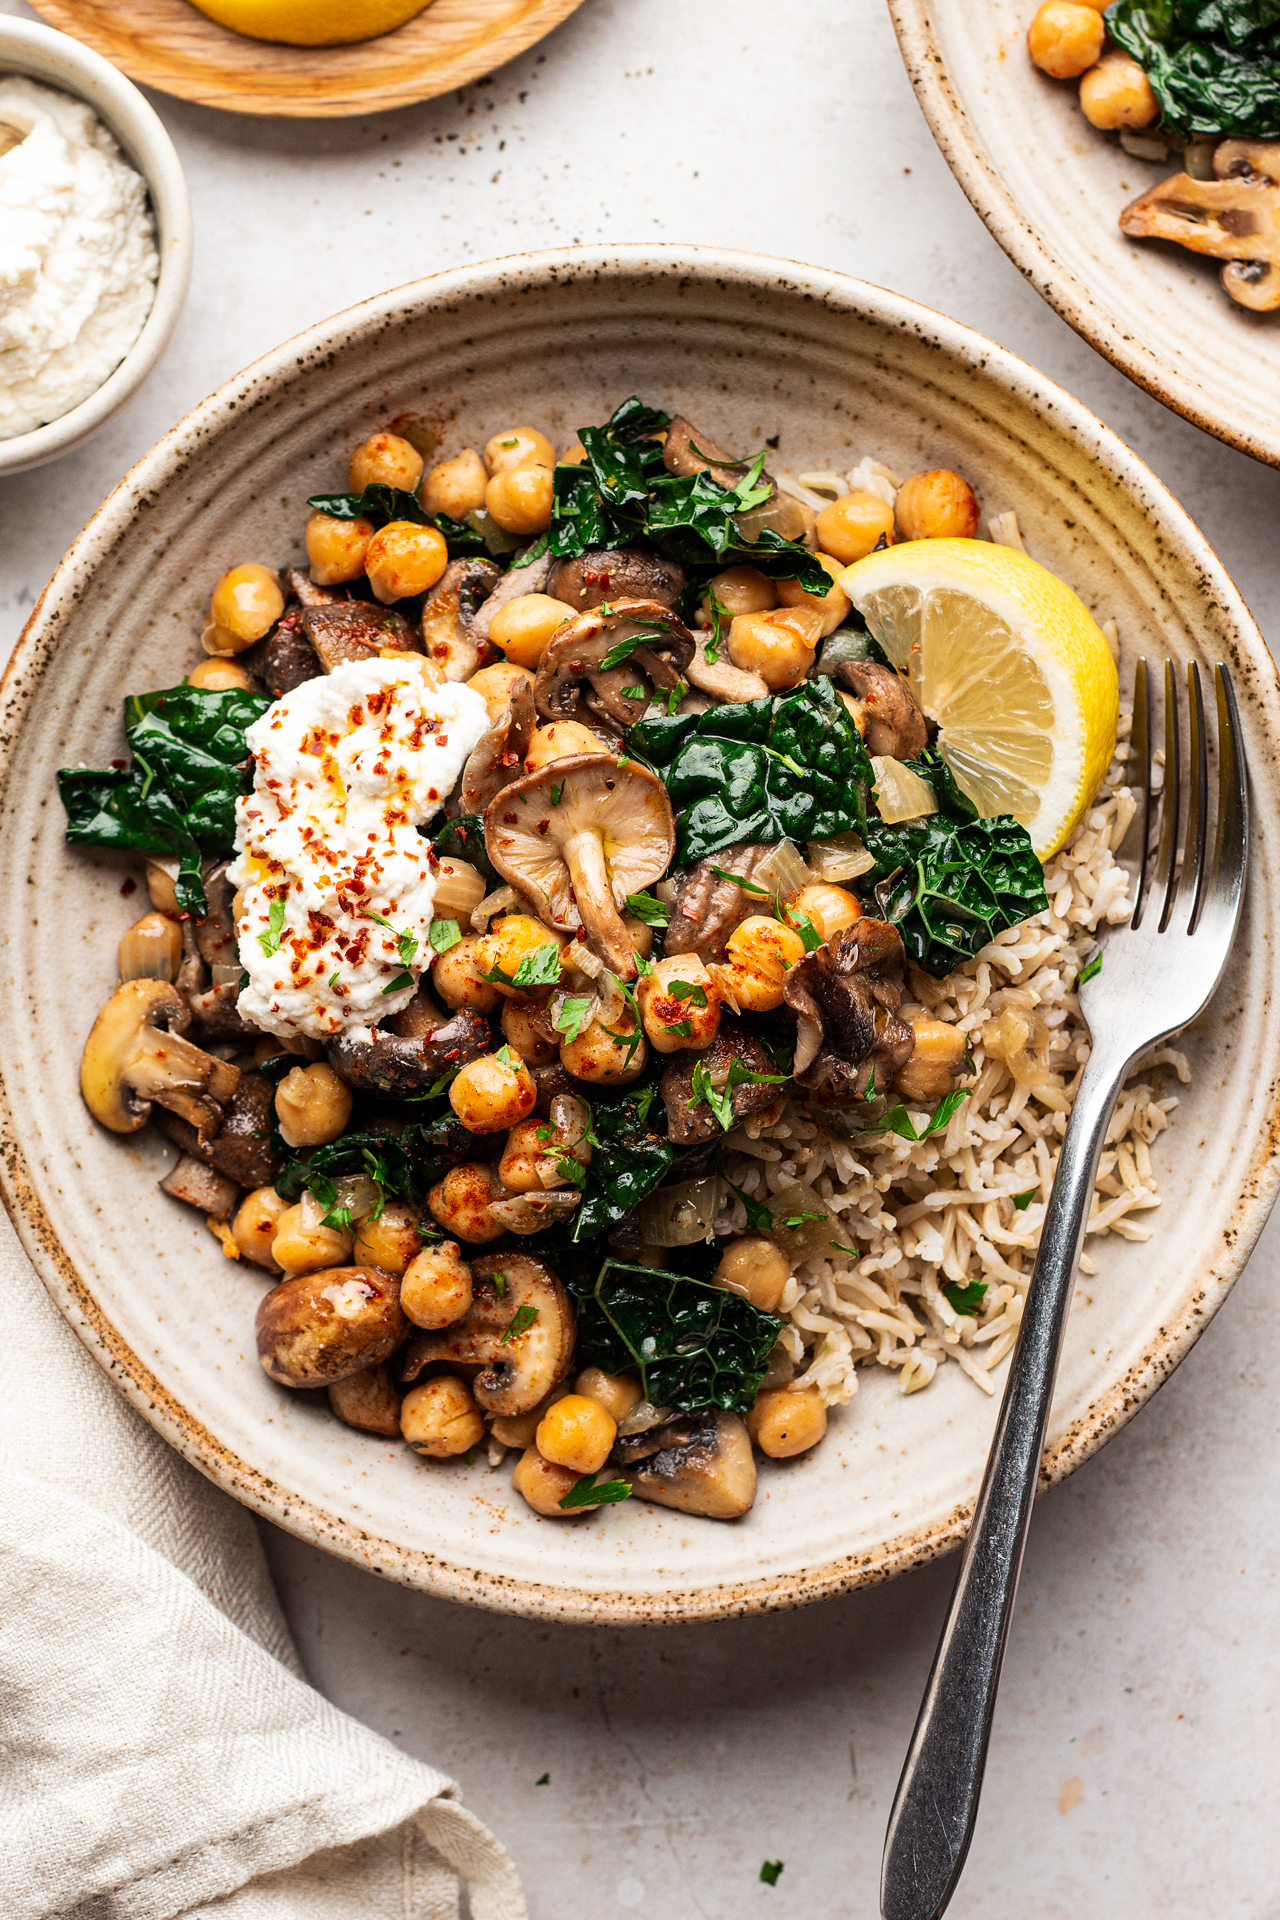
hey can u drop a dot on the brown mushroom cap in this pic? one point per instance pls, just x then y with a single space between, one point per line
845 995
355 631
577 837
401 1066
321 1327
690 1121
658 648
616 573
496 761
707 1467
451 636
518 1372
892 722
521 578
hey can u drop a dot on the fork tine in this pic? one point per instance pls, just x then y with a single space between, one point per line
1171 812
1142 751
1231 845
1193 855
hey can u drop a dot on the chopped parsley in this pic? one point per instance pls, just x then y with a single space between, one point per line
898 1120
720 1099
521 1321
644 907
543 1780
683 1027
1088 972
573 1014
538 969
800 923
748 886
770 1870
1023 1200
966 1299
444 935
557 793
585 1493
270 940
400 980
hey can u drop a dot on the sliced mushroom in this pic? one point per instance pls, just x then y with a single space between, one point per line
687 451
658 646
367 1400
888 717
450 636
286 657
302 588
241 1148
202 1186
215 1014
690 1120
496 762
135 1054
522 577
616 573
708 907
356 631
849 1039
399 1066
517 1371
216 933
322 1327
1235 218
709 1469
577 837
720 677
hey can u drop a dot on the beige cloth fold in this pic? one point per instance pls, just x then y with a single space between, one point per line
159 1753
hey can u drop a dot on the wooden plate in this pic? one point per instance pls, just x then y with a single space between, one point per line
1051 190
171 45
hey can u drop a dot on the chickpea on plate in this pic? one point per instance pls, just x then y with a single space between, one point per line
614 929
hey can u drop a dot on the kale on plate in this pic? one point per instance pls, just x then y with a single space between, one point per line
379 504
1214 65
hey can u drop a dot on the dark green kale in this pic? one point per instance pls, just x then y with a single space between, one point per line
381 503
462 838
1214 65
190 766
949 884
630 1156
695 1344
405 1164
789 767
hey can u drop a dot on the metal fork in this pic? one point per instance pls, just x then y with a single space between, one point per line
1159 972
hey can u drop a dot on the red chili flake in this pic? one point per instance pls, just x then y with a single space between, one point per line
128 886
509 819
543 825
120 765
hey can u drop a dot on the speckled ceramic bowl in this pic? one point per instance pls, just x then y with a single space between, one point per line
755 348
1051 189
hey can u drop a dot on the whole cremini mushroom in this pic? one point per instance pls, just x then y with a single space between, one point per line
135 1054
577 837
616 573
610 659
518 1330
318 1328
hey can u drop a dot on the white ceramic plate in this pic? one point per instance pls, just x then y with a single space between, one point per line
1051 189
753 347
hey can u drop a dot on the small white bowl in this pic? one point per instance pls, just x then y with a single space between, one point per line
62 62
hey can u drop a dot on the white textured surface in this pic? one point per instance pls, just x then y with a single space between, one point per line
1142 1663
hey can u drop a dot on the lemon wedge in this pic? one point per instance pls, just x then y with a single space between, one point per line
1011 666
311 23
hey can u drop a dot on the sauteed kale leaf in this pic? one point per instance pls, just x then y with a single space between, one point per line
950 883
695 1345
190 766
1214 65
381 503
405 1164
789 767
622 492
630 1156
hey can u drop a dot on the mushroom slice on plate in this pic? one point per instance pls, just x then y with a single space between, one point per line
1235 218
849 1039
687 451
496 762
451 638
577 837
707 1467
518 1330
286 657
241 1147
356 631
889 716
523 576
367 1400
720 678
401 1066
202 1186
616 573
135 1054
609 661
708 905
690 1121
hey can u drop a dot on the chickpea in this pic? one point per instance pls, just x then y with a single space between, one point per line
519 499
852 525
526 1025
151 949
779 646
456 486
640 935
761 953
756 1268
245 605
218 675
576 1433
601 1058
336 548
518 1429
384 459
491 1094
516 937
831 909
440 1419
832 607
391 1241
457 978
312 1106
783 1423
497 684
558 741
544 1485
254 1227
300 1249
525 626
740 590
535 1145
937 506
1117 93
436 1286
617 1393
160 886
939 1050
460 1202
1065 40
404 559
518 447
680 1004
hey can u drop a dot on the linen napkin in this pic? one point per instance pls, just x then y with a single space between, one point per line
160 1754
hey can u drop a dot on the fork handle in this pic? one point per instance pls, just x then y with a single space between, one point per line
937 1800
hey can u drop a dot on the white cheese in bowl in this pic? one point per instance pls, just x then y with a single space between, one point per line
336 885
78 260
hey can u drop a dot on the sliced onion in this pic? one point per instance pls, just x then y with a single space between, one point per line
459 890
530 1213
900 793
500 901
678 1216
811 1236
666 891
782 873
642 1418
578 958
225 973
615 1008
843 857
849 643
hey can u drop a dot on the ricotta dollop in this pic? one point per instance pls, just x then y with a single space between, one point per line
337 886
78 258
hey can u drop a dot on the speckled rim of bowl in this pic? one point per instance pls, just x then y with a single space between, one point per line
1051 277
1255 1184
55 58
